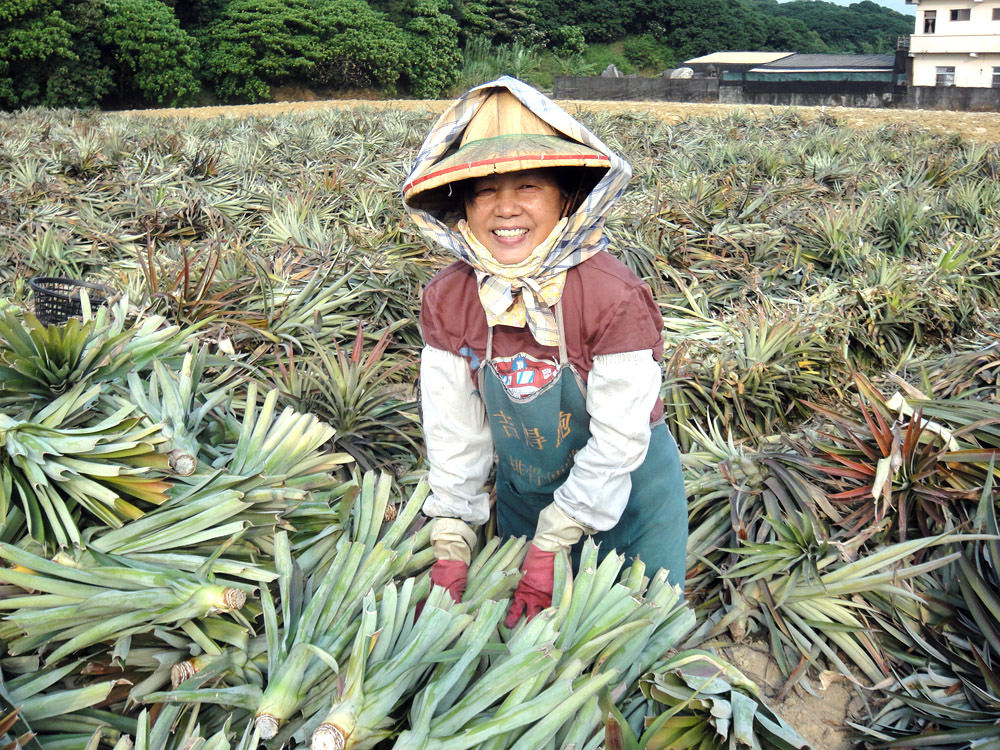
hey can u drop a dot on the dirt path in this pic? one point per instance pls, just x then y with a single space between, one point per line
978 126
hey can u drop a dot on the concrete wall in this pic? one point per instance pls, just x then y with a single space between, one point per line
787 94
808 93
952 97
636 89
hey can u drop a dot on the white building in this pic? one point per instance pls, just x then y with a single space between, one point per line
956 43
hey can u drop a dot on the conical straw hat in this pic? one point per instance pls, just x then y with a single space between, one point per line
502 136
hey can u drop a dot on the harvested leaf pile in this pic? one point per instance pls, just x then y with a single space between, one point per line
209 489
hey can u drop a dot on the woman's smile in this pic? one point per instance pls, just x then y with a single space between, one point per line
511 214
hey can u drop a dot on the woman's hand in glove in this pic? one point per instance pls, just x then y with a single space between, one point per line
534 592
452 575
449 574
555 532
452 540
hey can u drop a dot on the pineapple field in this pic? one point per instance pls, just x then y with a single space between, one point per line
210 480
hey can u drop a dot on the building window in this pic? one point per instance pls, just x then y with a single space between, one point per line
996 77
959 14
930 16
945 75
996 14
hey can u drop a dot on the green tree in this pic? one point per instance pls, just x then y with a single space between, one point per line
433 60
87 80
257 44
35 41
359 47
863 27
156 59
502 21
884 25
791 35
195 14
646 52
698 27
600 20
567 40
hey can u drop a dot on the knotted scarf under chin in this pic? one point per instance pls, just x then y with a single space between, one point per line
523 292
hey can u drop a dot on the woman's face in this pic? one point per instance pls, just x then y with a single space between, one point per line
513 213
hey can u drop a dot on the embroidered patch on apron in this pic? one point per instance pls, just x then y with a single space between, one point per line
523 374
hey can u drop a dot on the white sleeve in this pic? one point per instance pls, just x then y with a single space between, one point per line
621 392
458 439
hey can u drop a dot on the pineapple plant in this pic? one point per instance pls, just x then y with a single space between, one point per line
222 423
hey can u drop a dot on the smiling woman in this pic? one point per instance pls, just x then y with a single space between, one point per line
540 348
512 214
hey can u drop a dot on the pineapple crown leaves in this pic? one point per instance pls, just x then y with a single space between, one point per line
888 451
327 303
100 467
194 295
279 448
12 718
958 631
175 402
386 638
37 361
693 683
357 394
831 609
86 600
799 543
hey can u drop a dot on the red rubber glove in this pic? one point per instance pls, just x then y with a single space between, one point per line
534 592
452 575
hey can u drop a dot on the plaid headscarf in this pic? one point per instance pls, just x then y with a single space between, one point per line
579 238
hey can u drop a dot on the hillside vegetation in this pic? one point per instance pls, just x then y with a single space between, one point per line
136 53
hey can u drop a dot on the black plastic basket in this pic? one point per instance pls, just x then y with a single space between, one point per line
57 298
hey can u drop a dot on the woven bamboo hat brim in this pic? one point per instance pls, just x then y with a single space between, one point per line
502 136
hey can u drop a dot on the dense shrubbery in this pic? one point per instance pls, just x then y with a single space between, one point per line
154 57
567 40
646 52
86 79
433 57
359 48
112 53
35 43
255 44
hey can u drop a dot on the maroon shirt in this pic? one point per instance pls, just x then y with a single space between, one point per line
607 309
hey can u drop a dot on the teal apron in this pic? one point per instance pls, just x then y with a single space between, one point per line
536 438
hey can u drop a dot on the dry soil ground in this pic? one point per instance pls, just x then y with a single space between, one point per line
979 126
818 715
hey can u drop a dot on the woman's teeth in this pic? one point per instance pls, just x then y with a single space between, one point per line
509 232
